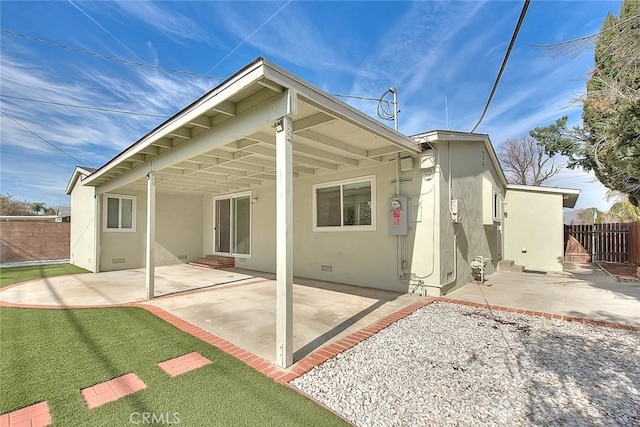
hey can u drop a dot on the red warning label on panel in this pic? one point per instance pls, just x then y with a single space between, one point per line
396 217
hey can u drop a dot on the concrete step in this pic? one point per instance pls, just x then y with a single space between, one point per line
214 261
199 266
505 265
516 268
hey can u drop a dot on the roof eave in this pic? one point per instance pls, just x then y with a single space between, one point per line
569 195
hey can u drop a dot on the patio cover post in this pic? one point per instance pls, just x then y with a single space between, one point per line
284 242
151 234
97 221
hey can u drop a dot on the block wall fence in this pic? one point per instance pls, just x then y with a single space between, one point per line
33 241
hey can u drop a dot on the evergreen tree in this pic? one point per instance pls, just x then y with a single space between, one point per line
609 141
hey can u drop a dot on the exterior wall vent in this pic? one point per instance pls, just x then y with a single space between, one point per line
118 260
327 268
484 158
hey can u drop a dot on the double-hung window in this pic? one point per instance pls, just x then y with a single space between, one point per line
119 213
348 205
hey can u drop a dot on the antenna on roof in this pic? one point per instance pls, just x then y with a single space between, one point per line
446 113
385 111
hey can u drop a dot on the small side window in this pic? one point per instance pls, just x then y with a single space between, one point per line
119 213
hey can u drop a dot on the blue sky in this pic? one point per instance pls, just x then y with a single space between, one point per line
437 53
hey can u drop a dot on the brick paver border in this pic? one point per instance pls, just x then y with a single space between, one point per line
543 314
111 390
182 364
37 415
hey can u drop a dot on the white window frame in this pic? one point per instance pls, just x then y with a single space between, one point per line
232 224
371 179
105 212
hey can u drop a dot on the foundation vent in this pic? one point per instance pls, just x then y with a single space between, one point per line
327 268
241 260
118 260
182 257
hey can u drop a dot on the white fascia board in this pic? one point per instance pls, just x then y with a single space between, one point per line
337 108
442 135
569 195
246 123
239 81
543 189
77 172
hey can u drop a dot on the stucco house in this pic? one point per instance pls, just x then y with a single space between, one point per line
284 178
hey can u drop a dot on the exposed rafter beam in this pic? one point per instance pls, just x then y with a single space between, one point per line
390 149
334 143
269 85
299 148
201 121
151 150
311 121
163 142
264 151
226 107
181 133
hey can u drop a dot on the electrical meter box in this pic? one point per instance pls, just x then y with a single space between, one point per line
398 216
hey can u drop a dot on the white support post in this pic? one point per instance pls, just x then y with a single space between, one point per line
151 234
284 242
98 230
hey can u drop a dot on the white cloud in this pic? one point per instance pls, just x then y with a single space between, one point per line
168 20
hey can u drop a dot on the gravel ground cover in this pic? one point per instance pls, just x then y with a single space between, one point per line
448 364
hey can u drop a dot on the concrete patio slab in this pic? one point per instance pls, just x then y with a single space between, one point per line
582 290
116 287
236 305
322 313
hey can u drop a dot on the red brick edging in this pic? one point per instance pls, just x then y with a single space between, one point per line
543 314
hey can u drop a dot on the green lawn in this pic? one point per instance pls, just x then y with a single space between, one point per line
10 275
52 354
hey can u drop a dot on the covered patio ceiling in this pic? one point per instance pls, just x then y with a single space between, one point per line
225 141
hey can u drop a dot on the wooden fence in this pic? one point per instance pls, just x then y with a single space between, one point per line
617 242
634 242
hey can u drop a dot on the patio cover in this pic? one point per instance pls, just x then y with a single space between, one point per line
260 125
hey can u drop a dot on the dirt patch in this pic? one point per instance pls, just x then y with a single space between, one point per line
622 271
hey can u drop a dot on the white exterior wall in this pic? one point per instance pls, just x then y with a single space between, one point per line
178 234
83 232
534 230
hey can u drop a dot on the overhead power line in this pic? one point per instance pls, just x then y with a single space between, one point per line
504 62
85 107
106 57
41 138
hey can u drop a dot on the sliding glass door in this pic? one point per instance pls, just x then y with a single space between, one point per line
233 224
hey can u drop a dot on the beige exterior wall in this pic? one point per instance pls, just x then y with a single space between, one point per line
366 258
370 258
179 234
82 246
533 230
470 169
